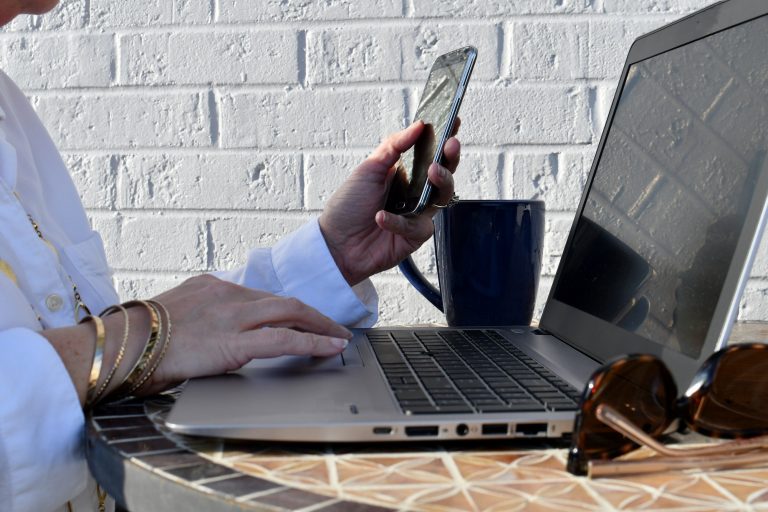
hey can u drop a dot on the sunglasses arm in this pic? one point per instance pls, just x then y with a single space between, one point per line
618 422
603 468
621 424
673 458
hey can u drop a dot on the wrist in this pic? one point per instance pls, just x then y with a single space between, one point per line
338 254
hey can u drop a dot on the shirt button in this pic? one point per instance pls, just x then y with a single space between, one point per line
54 302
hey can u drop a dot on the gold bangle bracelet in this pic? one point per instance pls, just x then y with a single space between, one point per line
98 351
120 354
141 363
165 341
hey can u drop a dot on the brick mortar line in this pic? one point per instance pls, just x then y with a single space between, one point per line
353 151
387 86
361 23
197 213
240 213
387 277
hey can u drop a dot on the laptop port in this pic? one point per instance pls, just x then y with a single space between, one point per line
382 431
531 429
421 431
495 429
462 429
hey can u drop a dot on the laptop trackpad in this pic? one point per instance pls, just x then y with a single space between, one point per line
350 357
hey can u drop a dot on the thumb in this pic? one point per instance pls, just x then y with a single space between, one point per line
389 151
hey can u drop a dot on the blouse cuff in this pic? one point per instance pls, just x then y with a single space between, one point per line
42 460
306 270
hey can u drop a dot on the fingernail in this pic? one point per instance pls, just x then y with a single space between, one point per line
349 333
339 342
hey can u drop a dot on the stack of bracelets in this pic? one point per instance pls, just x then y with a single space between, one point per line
152 354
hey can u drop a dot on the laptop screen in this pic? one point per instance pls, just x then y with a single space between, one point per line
673 185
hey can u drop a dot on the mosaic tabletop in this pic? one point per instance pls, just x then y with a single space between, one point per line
147 468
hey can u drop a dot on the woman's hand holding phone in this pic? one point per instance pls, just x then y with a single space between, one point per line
383 211
410 191
363 238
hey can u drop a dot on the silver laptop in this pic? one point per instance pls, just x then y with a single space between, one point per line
655 262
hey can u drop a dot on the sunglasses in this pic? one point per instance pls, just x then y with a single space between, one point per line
631 402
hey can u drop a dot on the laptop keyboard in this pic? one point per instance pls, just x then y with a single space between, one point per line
466 371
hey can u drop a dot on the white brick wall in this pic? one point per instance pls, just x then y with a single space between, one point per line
196 129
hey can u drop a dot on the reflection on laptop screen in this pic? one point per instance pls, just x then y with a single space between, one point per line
691 130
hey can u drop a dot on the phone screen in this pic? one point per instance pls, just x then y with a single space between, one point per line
438 108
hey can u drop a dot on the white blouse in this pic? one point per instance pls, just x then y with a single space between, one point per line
42 461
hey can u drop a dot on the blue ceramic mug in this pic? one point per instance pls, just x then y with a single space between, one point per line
488 262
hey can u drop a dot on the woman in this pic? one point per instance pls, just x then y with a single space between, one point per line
57 356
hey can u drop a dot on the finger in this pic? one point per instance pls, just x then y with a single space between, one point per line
416 230
442 180
451 154
278 341
290 312
389 151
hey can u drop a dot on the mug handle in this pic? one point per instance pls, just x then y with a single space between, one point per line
417 279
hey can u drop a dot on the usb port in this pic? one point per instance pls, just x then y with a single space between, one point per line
531 429
494 429
382 431
421 431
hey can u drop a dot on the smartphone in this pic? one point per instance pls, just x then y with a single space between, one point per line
411 191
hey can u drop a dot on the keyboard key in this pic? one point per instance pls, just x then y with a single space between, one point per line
478 393
410 394
549 395
526 403
494 408
437 383
399 386
423 401
469 383
450 401
456 409
485 401
425 409
562 406
499 380
516 396
532 382
532 406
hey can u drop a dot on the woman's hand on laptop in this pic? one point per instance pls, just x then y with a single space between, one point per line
219 326
362 237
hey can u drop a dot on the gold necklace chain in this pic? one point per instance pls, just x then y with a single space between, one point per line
101 495
79 304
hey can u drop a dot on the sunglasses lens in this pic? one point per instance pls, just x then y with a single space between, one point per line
736 402
638 387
